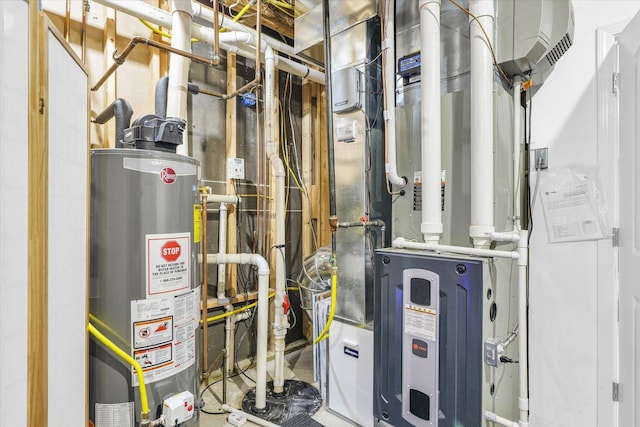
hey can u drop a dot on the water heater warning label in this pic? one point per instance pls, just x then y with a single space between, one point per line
163 334
168 263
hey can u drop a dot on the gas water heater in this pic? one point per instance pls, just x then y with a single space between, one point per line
144 293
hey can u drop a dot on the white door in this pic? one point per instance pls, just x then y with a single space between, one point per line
629 302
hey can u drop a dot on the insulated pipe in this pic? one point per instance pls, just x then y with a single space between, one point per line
523 360
263 316
430 132
401 242
481 123
280 321
389 58
222 249
122 111
162 18
179 66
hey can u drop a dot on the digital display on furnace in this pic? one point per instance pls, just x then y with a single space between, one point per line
420 291
409 65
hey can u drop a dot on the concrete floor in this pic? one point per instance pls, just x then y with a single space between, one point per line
298 365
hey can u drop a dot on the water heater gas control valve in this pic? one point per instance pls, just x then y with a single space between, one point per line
178 408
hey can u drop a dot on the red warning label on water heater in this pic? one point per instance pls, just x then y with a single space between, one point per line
167 175
168 263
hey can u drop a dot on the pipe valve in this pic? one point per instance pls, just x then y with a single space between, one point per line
286 305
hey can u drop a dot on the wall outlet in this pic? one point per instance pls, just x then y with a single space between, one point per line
540 158
235 168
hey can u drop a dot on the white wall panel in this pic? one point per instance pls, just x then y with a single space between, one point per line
14 85
67 237
564 322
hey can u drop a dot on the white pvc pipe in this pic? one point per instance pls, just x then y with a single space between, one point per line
280 321
206 13
160 17
252 418
523 362
506 236
230 329
222 248
490 416
401 242
179 66
263 315
222 198
229 339
430 132
481 123
390 93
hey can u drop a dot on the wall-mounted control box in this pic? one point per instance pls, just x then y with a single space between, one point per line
346 90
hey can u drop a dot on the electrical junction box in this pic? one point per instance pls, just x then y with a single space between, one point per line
235 168
345 90
178 408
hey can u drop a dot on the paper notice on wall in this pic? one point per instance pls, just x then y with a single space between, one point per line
420 322
168 263
573 206
163 335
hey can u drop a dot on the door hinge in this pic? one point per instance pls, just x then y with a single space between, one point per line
614 83
615 237
615 392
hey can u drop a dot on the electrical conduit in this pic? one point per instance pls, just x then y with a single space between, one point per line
430 132
481 123
144 402
263 316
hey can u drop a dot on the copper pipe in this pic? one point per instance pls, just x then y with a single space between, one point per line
67 20
119 59
216 32
83 36
205 285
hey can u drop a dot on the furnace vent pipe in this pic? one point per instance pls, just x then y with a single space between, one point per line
430 132
481 122
179 65
263 315
402 243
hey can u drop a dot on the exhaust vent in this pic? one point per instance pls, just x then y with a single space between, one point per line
559 49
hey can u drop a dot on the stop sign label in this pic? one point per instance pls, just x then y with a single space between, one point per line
170 251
